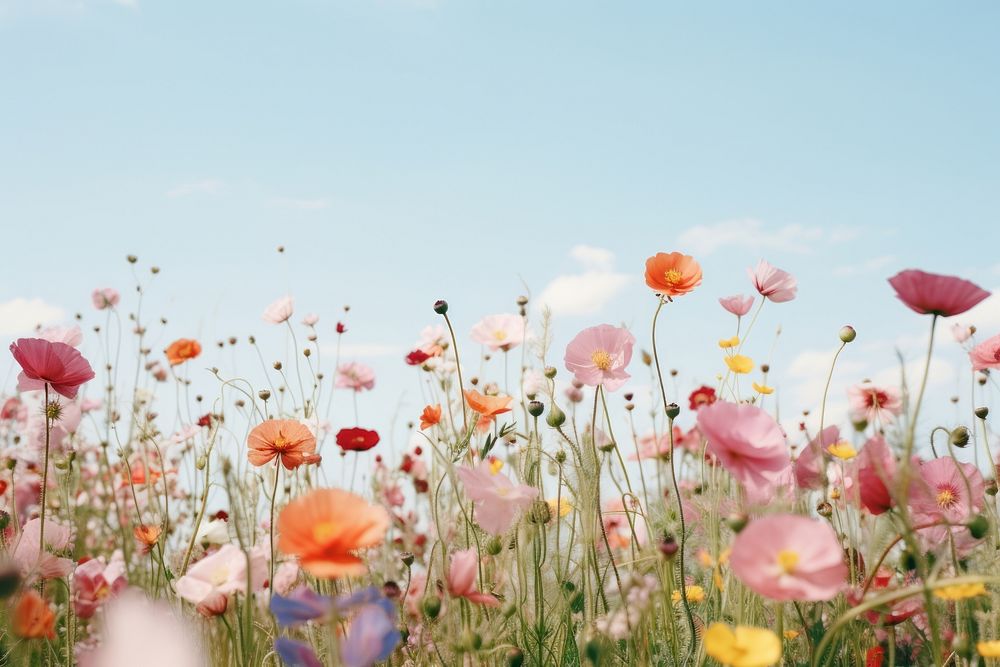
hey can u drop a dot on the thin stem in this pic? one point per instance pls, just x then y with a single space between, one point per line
458 367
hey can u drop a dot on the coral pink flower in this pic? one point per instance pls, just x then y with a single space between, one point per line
986 354
935 294
789 557
810 462
224 571
499 332
874 469
356 376
57 364
94 583
738 304
279 311
946 491
869 402
497 500
599 355
773 283
462 571
748 443
105 298
57 537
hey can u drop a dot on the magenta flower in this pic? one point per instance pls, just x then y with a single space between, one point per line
810 462
869 402
874 470
738 304
94 583
279 311
599 355
789 557
462 571
356 376
946 491
748 443
773 283
104 298
43 362
986 354
497 500
499 332
935 294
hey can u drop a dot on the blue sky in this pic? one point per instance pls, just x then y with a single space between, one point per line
409 150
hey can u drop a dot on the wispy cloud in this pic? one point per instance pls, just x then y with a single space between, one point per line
587 292
21 315
206 187
867 266
754 234
301 204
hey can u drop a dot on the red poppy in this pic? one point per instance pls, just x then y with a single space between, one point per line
416 358
341 327
934 294
205 419
58 365
875 656
701 397
356 439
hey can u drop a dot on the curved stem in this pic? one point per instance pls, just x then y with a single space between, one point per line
458 368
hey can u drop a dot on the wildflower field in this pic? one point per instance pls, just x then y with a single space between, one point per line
534 516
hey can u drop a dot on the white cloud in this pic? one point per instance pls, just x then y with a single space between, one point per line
205 187
355 350
301 204
754 234
22 315
867 266
585 293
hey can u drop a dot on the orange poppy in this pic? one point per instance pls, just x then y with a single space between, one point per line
33 618
325 528
146 536
139 475
182 350
287 438
672 274
487 406
431 416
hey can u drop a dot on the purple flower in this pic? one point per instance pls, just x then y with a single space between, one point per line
296 654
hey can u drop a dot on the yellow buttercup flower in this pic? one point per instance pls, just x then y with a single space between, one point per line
739 363
842 450
565 507
495 465
960 591
742 646
762 388
989 649
695 594
727 343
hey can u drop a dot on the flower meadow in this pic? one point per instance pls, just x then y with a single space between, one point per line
532 518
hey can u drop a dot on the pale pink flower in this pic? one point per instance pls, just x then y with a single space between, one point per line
310 319
986 354
136 630
961 332
810 463
285 577
279 311
748 443
57 538
869 402
434 339
935 294
499 332
462 571
599 355
224 571
789 557
95 582
946 491
497 500
356 376
71 336
738 304
104 298
773 283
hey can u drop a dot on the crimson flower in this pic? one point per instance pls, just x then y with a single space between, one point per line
416 357
356 439
935 294
341 327
702 396
57 364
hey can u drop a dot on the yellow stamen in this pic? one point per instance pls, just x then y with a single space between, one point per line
495 465
946 498
324 531
673 276
787 560
601 359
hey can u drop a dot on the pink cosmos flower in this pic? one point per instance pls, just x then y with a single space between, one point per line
462 571
935 294
789 557
310 319
499 332
738 304
773 283
946 491
72 336
95 582
356 376
280 310
986 354
961 332
748 443
224 571
497 500
57 364
599 355
874 469
810 462
57 538
869 402
104 298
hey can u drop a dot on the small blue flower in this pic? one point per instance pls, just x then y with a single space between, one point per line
300 606
296 654
372 635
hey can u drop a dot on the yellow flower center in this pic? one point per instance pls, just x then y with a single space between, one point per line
324 531
946 498
495 465
601 359
220 575
281 442
499 334
672 276
787 560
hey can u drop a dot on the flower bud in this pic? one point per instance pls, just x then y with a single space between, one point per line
540 513
550 372
431 607
561 456
668 546
646 358
673 410
264 394
213 605
848 334
440 307
515 657
201 462
494 546
960 436
556 417
991 487
982 412
737 521
536 408
824 509
978 526
277 365
407 558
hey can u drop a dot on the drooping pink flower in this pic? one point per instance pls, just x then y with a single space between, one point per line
57 364
105 297
869 402
936 294
599 355
773 283
279 311
72 336
810 462
748 443
946 491
874 470
738 304
497 500
499 332
224 571
986 354
462 571
95 582
789 557
356 376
